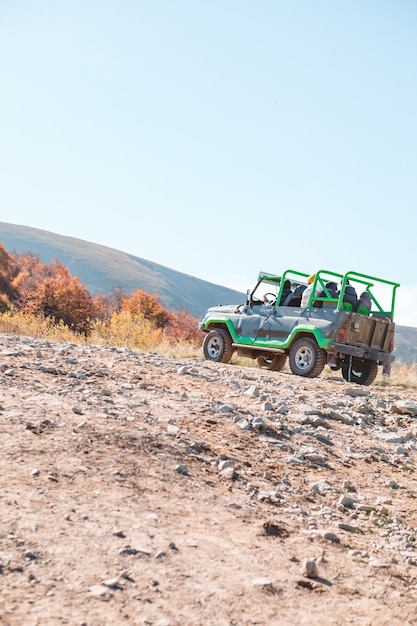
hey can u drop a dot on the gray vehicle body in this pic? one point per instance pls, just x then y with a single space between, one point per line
327 330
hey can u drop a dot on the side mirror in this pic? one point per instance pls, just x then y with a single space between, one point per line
248 296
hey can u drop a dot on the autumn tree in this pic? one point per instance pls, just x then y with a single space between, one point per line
5 259
52 291
28 263
8 275
149 306
105 305
183 328
100 307
5 263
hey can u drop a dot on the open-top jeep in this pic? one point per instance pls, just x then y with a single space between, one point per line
347 323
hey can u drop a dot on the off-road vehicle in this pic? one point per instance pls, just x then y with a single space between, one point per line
347 323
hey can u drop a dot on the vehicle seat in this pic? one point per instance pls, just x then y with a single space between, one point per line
286 293
364 304
295 298
332 289
349 299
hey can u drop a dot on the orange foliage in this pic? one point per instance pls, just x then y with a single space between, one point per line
8 273
52 291
148 305
183 328
5 259
100 308
28 263
105 306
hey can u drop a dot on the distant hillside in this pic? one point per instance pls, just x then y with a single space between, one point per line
101 269
406 344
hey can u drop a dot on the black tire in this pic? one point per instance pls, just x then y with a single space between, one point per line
273 362
360 372
306 358
217 346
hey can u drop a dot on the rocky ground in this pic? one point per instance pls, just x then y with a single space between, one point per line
147 490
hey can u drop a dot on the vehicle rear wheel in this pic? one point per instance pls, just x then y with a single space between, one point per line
306 358
217 346
360 372
273 362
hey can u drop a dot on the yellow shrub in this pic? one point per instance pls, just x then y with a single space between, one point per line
19 323
404 374
126 330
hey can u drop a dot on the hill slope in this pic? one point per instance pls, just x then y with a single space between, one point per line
101 269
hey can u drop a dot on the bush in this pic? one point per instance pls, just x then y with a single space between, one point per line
129 331
183 328
20 323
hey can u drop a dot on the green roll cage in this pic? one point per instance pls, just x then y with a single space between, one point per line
373 285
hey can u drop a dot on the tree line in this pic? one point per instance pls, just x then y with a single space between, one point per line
50 291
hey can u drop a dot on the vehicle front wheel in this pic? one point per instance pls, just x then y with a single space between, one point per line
306 358
274 362
360 372
217 346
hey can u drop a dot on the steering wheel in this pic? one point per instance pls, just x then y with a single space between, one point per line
270 298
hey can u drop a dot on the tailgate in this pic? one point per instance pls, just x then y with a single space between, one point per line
370 332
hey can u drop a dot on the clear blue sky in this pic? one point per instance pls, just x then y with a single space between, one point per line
217 137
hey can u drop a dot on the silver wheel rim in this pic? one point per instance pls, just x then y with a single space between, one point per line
304 358
214 347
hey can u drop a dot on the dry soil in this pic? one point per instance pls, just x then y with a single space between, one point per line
141 489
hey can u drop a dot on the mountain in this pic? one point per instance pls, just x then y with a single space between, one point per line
101 269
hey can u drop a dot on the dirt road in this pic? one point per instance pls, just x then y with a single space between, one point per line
146 490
